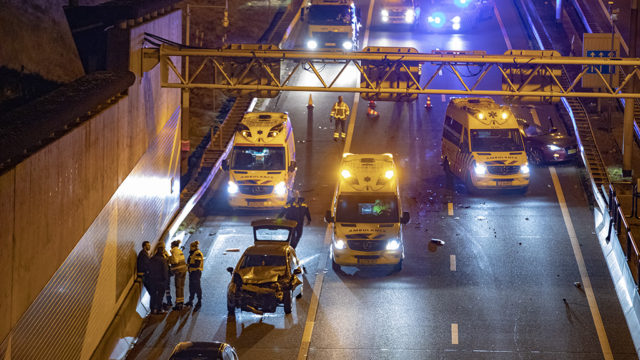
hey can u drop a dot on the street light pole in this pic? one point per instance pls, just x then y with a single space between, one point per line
629 104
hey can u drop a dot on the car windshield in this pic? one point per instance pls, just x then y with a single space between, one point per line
496 140
367 208
329 15
262 260
257 158
272 234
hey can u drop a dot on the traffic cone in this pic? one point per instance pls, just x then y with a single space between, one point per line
310 104
428 104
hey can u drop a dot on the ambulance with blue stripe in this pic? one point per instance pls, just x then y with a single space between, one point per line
482 145
262 162
366 213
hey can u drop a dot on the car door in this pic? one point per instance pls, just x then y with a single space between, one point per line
296 279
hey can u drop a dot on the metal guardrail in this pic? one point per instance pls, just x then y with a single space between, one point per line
618 222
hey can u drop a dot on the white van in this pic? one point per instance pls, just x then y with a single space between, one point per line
483 146
367 213
262 162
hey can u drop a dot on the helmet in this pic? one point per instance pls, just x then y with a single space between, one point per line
175 243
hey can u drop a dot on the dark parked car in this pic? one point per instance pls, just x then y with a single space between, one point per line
268 274
547 146
201 350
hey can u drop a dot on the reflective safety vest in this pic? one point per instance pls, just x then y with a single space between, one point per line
196 261
177 260
340 110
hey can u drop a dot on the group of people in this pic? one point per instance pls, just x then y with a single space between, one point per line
155 272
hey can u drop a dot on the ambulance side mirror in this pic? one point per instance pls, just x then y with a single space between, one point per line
405 218
292 166
230 270
225 165
328 218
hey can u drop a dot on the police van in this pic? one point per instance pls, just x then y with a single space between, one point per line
262 161
367 213
333 24
483 146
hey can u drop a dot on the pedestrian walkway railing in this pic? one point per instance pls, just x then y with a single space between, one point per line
618 223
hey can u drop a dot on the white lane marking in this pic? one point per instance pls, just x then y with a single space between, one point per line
584 275
444 98
534 115
313 306
317 287
450 209
502 29
454 334
452 262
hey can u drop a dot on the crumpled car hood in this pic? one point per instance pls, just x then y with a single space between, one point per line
261 274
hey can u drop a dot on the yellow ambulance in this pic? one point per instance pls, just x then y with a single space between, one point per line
262 162
367 213
483 146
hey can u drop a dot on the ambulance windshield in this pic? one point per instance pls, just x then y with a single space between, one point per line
257 158
329 15
367 208
496 140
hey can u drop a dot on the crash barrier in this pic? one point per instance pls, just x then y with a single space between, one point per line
618 222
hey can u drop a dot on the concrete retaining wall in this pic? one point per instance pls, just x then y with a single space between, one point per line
74 215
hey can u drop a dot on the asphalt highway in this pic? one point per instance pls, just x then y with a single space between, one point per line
518 277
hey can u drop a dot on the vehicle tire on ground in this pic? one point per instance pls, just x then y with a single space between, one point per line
398 267
287 302
446 167
335 266
231 309
468 184
536 157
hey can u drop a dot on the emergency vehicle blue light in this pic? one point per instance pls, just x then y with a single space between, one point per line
437 19
462 3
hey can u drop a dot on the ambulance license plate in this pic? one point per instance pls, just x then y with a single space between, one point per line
571 151
329 44
367 261
255 203
503 183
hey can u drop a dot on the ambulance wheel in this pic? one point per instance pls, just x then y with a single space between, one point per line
446 166
471 190
537 157
231 309
335 266
397 267
287 302
523 190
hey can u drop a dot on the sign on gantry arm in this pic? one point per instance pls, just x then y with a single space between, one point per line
599 46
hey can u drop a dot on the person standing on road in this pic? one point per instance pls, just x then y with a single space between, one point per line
296 209
179 269
142 266
196 266
167 292
158 278
340 112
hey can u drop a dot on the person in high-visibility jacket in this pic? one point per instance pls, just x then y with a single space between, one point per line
196 266
179 269
339 113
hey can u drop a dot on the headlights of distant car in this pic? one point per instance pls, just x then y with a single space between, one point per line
524 168
455 26
347 45
553 147
409 16
232 188
312 44
480 169
340 244
280 189
384 13
393 244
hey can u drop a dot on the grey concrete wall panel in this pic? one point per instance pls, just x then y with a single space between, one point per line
75 213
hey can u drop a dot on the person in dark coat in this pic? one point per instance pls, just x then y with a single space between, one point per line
296 209
142 266
158 279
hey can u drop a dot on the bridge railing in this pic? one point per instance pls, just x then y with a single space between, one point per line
618 223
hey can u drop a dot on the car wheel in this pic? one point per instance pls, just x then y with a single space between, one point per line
287 302
537 157
335 266
398 267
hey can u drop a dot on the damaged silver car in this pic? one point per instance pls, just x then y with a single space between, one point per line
268 274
